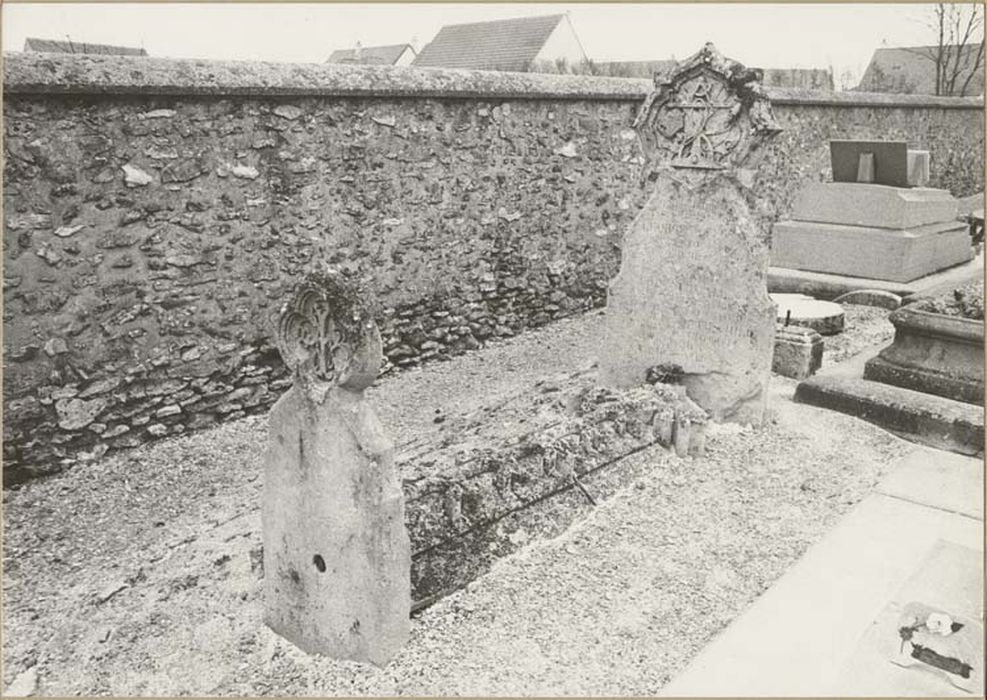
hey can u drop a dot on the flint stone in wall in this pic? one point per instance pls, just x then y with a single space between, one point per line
135 177
74 414
182 170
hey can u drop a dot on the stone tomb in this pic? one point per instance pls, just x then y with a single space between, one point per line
871 229
691 296
337 556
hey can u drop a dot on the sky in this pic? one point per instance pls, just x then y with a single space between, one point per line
838 36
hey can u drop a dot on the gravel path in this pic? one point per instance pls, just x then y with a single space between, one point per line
135 575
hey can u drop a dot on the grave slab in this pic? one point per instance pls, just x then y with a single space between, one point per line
794 640
949 579
873 206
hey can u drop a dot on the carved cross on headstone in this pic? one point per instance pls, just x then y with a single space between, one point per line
337 560
692 288
710 113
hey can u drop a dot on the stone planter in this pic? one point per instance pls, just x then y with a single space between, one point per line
933 353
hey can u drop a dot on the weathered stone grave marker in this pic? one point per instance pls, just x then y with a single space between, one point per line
337 557
692 291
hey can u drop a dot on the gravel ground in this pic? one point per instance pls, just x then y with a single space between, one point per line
966 302
135 575
863 327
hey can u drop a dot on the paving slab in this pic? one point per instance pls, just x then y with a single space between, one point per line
938 479
795 640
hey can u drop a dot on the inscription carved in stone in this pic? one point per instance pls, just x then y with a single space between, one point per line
691 291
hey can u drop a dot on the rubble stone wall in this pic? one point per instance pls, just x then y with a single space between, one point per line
156 212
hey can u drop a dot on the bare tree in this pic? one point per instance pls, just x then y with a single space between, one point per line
958 54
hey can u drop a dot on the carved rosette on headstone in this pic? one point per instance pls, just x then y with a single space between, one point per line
337 558
692 293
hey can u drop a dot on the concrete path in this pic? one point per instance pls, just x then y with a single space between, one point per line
826 627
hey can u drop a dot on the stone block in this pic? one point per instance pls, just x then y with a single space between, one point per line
935 354
798 352
877 206
874 253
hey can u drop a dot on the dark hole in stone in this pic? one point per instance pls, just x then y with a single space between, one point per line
320 563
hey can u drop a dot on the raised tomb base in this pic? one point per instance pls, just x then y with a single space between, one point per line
871 231
894 255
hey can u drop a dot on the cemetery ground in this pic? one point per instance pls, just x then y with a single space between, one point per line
140 574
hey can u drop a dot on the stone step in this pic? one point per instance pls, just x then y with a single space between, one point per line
924 418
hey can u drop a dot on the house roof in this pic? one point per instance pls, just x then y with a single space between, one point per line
912 69
376 55
52 46
506 44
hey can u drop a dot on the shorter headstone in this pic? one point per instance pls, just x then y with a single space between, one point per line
881 162
798 352
824 317
918 168
337 559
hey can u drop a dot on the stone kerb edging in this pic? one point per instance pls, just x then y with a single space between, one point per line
39 73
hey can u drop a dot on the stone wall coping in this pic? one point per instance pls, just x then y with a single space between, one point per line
68 74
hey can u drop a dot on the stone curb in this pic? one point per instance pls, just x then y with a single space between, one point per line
924 418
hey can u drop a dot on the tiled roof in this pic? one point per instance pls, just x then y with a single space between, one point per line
374 55
51 46
507 44
912 69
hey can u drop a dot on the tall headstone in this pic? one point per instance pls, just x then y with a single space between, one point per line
337 559
691 294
